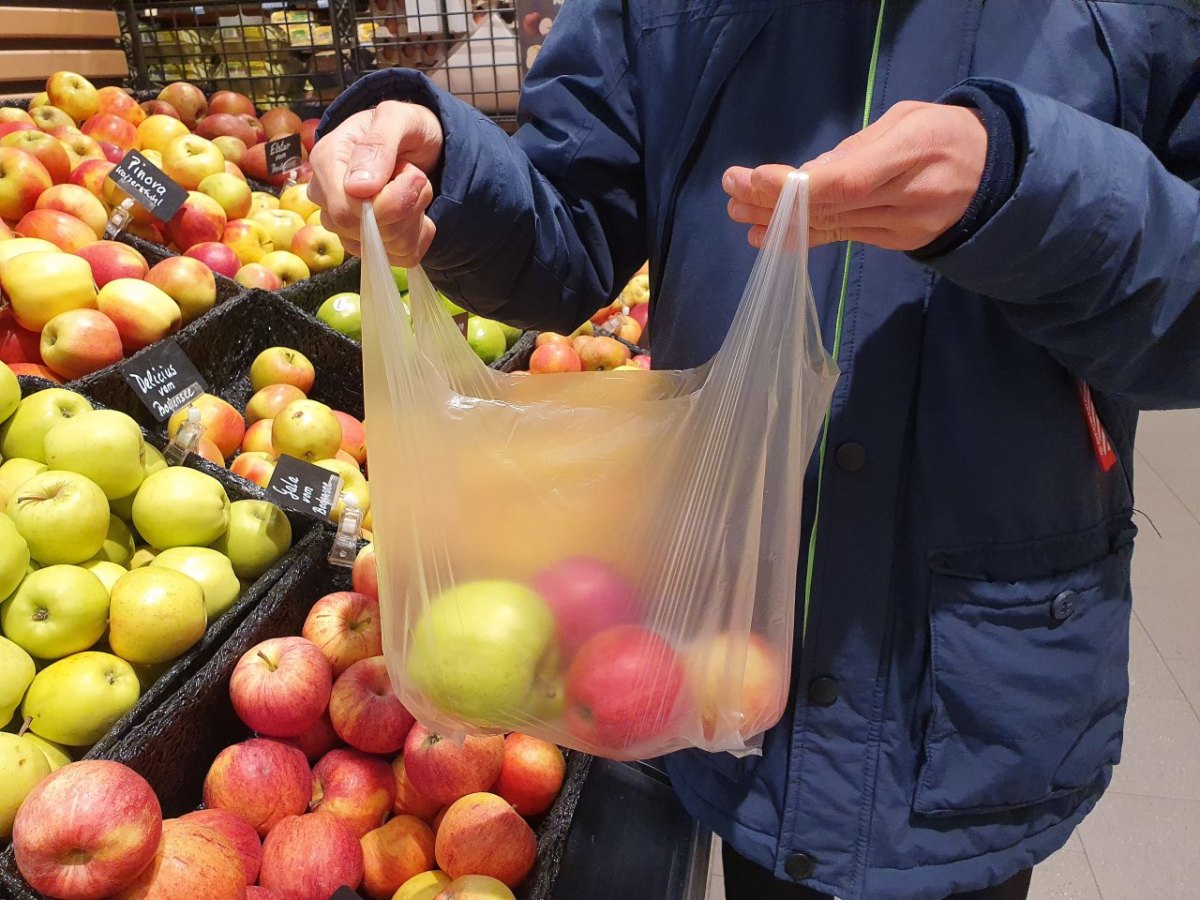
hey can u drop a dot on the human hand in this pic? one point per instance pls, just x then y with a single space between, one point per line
385 155
898 184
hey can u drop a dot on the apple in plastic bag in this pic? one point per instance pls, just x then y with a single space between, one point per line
587 596
763 677
481 651
623 690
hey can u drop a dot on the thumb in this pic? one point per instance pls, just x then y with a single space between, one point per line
373 159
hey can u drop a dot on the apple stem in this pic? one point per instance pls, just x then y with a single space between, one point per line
265 659
25 726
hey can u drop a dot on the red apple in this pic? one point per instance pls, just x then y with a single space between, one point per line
217 256
365 712
147 231
257 892
107 128
186 100
623 690
225 125
80 341
587 596
395 853
531 775
309 857
78 202
282 365
269 401
262 781
308 134
35 371
142 313
233 149
253 275
482 835
48 117
345 625
91 174
258 438
354 436
192 861
111 152
640 314
7 128
316 741
739 686
364 576
17 344
231 168
642 360
189 282
200 220
444 770
111 260
45 149
14 114
240 834
159 108
357 788
116 101
550 337
232 103
66 232
206 449
409 800
554 357
87 830
253 466
281 687
280 121
254 164
260 133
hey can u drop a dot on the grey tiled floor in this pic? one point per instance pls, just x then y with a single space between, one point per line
1143 841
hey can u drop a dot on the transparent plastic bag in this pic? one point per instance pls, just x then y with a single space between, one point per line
606 560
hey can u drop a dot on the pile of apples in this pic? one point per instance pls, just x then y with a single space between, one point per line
281 419
338 787
113 565
592 347
573 651
55 197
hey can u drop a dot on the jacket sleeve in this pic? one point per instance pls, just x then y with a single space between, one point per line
543 228
1096 255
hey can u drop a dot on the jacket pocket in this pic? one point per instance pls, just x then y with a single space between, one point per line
1029 684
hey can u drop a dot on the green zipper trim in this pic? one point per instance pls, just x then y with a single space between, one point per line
837 333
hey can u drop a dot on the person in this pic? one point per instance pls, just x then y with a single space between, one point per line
1007 266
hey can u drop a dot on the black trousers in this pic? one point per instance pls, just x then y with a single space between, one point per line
745 880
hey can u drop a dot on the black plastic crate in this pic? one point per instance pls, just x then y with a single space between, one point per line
304 533
175 746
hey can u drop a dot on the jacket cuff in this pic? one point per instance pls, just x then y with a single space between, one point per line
468 139
1002 166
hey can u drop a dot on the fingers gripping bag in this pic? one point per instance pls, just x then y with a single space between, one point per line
605 560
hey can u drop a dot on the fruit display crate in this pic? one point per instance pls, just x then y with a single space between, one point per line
174 747
304 533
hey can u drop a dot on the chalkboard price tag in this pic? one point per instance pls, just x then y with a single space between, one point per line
344 893
283 154
304 488
461 321
148 186
164 379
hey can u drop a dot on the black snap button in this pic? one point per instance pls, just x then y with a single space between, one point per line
1064 606
823 692
799 866
851 456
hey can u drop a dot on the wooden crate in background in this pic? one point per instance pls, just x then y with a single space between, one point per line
37 41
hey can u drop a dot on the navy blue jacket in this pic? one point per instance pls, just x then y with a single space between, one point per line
967 625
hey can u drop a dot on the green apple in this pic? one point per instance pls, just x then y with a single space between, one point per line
14 473
56 754
107 572
76 700
180 507
105 445
211 570
10 392
148 674
24 434
63 516
118 544
511 335
22 766
16 672
400 275
156 614
486 338
57 611
14 556
483 651
451 307
142 556
122 507
343 313
259 533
